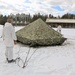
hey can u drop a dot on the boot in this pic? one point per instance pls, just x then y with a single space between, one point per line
11 61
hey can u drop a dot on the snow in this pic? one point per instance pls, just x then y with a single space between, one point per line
52 60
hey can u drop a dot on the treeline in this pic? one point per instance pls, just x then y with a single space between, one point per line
68 16
43 17
3 19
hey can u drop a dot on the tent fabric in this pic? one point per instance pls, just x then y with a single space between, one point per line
38 33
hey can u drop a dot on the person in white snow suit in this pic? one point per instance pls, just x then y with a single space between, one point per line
9 38
59 28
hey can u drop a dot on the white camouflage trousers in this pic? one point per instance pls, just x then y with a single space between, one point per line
9 53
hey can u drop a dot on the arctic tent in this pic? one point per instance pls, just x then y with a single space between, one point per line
38 33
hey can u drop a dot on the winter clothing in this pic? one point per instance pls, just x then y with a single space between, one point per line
59 29
9 36
9 53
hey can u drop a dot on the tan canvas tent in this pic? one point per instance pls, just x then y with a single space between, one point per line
38 33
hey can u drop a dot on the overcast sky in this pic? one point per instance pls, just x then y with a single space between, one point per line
54 7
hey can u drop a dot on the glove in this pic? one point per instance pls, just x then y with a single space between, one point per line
15 42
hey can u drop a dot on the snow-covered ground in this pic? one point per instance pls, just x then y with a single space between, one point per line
52 60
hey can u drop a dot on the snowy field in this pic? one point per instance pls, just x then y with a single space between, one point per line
52 60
